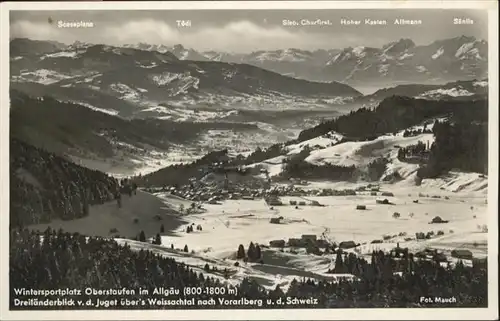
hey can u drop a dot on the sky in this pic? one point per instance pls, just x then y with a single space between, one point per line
243 31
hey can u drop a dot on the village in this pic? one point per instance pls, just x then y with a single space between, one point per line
215 189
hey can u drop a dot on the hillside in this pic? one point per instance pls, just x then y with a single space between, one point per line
27 47
93 134
457 90
44 186
394 114
364 144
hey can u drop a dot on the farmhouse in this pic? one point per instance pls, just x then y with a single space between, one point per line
273 201
275 220
437 220
295 242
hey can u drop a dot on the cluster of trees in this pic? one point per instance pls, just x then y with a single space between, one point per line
297 167
44 186
458 145
419 150
377 168
142 238
157 239
260 154
393 114
253 254
398 279
180 174
190 228
55 260
415 132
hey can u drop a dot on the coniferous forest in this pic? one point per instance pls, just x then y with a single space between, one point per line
57 260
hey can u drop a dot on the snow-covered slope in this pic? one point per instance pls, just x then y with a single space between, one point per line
329 149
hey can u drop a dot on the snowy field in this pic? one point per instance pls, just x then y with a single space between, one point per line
236 222
243 221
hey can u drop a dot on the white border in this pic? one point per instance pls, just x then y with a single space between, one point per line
317 314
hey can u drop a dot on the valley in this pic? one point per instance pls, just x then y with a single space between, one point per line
241 172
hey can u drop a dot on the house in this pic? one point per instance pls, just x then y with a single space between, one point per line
384 201
462 254
275 220
438 219
315 203
347 245
296 242
388 194
361 207
273 201
277 243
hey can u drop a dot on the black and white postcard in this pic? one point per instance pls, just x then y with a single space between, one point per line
249 160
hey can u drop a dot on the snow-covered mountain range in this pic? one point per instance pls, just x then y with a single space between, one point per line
398 62
453 59
149 77
402 61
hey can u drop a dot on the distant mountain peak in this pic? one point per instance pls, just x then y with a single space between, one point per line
401 45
